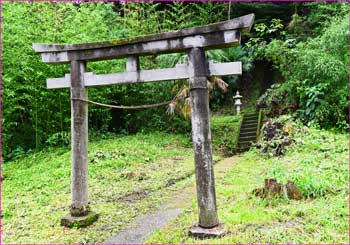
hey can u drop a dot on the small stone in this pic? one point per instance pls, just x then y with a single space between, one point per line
200 232
80 221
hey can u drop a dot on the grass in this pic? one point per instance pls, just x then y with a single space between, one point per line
127 177
132 175
225 131
317 162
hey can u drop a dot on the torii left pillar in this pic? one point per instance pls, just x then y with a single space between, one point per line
80 214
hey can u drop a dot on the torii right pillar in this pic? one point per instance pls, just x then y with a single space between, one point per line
208 224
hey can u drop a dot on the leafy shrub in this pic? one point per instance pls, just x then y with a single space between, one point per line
31 112
316 76
59 139
263 34
279 99
16 154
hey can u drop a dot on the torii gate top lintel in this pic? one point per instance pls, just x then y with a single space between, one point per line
217 35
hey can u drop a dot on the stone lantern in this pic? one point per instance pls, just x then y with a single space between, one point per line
237 98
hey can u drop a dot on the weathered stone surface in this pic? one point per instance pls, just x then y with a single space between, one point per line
134 75
217 35
79 211
200 232
201 138
243 23
207 41
79 145
80 221
143 226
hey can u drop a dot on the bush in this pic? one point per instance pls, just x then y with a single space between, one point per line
316 77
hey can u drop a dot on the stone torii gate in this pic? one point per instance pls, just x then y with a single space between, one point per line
194 41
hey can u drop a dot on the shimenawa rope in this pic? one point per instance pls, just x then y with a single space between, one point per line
125 107
130 107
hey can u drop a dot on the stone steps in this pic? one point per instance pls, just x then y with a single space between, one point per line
249 125
251 117
251 121
247 134
245 130
248 138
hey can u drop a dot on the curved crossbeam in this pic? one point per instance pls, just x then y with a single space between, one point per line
217 35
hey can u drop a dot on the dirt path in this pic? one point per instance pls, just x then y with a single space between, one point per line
146 224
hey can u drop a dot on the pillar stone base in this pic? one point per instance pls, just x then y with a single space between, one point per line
200 232
79 221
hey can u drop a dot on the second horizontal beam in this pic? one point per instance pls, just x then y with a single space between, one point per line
176 73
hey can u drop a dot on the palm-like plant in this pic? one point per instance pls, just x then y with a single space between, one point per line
181 103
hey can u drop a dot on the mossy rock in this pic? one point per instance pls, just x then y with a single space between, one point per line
79 221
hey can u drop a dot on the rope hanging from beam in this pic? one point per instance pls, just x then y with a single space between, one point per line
125 107
131 107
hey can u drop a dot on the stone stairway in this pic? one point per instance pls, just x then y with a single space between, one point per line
247 135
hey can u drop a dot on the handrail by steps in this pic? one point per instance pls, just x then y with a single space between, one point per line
260 119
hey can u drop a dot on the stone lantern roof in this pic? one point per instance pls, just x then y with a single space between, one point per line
237 96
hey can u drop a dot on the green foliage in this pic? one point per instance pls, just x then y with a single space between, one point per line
32 113
225 133
175 16
311 54
209 12
59 139
311 18
232 54
316 75
35 116
262 35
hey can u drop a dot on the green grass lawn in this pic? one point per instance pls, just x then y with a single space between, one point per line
127 177
132 175
316 162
